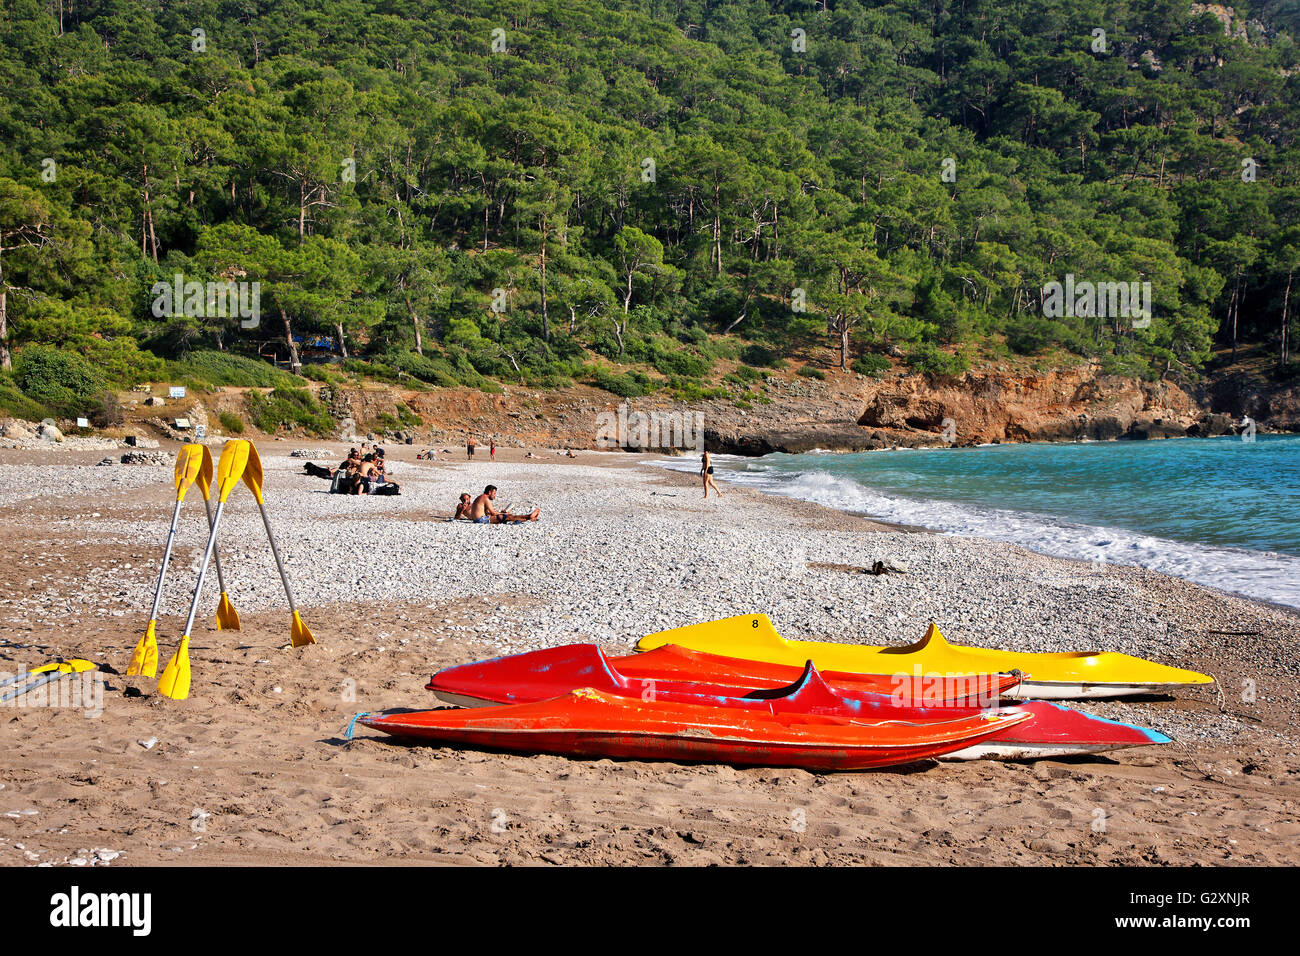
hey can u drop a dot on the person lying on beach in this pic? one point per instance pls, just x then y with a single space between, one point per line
429 454
482 512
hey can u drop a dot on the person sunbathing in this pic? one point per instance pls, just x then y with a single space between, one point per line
482 512
463 508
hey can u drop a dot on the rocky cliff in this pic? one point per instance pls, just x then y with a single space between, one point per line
844 412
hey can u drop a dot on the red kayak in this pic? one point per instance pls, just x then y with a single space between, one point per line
539 675
588 723
1054 731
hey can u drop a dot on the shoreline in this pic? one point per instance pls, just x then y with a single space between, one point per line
1260 561
623 548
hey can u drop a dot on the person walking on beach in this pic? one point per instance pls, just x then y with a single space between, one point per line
492 449
706 473
469 447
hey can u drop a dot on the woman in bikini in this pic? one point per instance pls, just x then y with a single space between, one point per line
706 473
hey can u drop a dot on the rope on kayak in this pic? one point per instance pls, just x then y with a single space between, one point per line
347 734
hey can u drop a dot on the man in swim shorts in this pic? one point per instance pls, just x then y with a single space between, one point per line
482 512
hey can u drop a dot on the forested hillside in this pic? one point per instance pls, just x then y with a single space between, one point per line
636 194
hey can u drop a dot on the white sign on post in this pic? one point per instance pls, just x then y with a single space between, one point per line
176 391
83 423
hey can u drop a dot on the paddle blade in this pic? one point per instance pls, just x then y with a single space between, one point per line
253 472
298 632
144 659
204 477
234 459
227 616
189 464
175 680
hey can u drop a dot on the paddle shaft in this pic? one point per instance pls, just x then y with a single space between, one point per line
167 554
28 688
216 556
276 551
17 677
203 569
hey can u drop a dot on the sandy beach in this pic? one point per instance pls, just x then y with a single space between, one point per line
254 767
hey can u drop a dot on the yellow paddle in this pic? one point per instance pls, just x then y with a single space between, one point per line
52 672
175 679
44 668
298 631
227 616
189 464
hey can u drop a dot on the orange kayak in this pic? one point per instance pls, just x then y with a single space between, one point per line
587 723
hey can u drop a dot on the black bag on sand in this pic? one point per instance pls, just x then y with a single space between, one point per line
385 489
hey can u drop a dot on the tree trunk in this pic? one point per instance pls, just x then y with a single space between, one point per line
1236 290
1284 353
627 299
343 342
844 346
546 322
148 214
295 364
415 323
6 361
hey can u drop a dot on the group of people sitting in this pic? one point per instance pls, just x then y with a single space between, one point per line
481 510
363 473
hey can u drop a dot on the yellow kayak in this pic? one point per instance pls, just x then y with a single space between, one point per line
1049 676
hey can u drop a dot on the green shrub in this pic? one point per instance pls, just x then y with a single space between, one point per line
745 375
719 348
433 371
929 360
14 404
872 365
231 422
406 417
689 390
61 380
322 372
106 412
761 357
211 369
807 371
626 385
289 407
679 361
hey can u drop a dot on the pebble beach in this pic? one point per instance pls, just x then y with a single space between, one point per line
394 591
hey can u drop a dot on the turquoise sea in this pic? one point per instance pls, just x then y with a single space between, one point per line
1219 511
